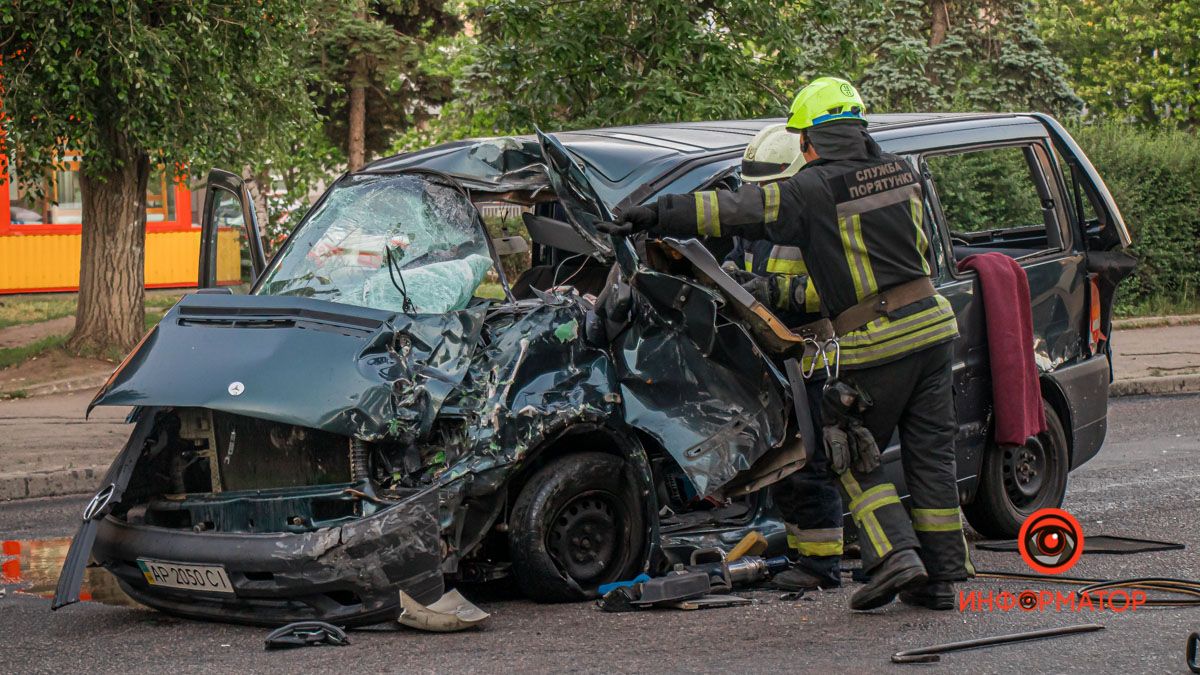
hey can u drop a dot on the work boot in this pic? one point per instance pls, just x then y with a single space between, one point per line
933 595
899 571
797 579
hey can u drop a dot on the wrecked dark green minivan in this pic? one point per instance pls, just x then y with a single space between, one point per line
360 422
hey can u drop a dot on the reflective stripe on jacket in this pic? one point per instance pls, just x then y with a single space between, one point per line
859 225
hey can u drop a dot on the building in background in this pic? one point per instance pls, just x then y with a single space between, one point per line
40 237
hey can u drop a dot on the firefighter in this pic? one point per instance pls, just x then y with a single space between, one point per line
808 499
856 214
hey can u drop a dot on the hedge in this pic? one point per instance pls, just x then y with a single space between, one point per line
1154 176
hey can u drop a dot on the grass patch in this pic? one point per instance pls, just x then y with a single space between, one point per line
14 355
162 300
19 309
16 393
1157 306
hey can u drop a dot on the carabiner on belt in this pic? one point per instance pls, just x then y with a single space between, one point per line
822 351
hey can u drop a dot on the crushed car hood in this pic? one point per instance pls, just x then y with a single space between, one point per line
339 368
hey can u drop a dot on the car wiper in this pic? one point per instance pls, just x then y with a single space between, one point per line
406 304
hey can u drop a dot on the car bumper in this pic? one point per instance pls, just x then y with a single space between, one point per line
347 575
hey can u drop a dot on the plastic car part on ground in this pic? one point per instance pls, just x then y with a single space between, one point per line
306 634
451 613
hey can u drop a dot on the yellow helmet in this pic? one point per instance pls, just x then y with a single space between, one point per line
825 99
773 154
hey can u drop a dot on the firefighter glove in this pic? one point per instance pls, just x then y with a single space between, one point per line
761 287
837 448
631 221
864 451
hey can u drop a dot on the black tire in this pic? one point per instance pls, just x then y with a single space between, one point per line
1016 481
576 524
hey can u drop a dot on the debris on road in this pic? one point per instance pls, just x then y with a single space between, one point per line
306 634
712 601
931 654
451 613
1101 543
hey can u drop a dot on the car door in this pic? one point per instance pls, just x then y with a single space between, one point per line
231 248
1005 198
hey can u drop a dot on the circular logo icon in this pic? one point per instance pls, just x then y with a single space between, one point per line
1050 541
847 90
236 388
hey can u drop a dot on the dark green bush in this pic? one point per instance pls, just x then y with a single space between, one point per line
1154 177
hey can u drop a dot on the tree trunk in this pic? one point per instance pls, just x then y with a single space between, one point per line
111 313
939 22
356 150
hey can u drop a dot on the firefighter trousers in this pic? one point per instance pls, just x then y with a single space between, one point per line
811 506
914 393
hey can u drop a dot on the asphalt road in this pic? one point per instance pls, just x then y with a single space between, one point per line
1144 483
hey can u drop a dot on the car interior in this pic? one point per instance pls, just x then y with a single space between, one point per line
998 200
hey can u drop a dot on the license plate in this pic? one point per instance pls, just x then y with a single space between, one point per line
210 578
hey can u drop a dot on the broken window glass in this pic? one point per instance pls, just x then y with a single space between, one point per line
398 242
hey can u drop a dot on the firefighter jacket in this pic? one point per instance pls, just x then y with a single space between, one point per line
785 265
857 217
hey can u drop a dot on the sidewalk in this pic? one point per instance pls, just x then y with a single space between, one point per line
47 447
1157 360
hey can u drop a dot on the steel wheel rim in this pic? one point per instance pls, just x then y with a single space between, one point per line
584 537
1026 472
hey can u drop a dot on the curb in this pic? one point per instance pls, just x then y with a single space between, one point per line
1142 386
51 483
80 383
1156 321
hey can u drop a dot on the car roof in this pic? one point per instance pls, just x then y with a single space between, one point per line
627 157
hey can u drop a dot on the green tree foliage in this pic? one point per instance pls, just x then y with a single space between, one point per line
377 47
606 63
137 83
1154 176
1130 60
986 190
585 63
910 55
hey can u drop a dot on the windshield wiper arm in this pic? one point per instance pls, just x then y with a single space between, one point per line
406 305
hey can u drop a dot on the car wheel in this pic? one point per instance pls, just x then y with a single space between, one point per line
576 524
1018 480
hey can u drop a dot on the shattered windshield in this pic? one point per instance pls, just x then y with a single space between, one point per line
399 242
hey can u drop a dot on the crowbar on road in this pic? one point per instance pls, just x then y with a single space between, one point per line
930 654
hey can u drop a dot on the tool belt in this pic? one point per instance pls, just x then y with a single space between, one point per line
881 304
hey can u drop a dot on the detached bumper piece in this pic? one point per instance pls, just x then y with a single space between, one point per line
348 575
306 634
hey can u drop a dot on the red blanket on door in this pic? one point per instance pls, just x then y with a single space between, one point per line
1006 308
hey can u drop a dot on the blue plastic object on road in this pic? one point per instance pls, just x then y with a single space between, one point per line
605 589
